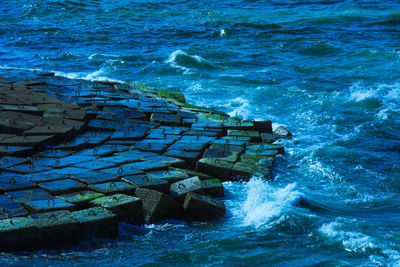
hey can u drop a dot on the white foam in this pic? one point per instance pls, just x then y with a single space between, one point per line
222 32
386 94
241 107
99 55
358 92
5 67
100 74
351 240
262 202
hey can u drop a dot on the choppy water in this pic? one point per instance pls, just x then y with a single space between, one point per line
328 70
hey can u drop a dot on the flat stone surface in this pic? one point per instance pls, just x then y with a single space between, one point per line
62 186
29 195
148 181
171 176
13 182
81 198
110 188
10 208
122 171
46 205
216 168
173 162
127 208
179 189
147 166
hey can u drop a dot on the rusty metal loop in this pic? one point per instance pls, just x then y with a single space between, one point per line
52 203
11 181
91 212
120 170
181 186
112 184
52 216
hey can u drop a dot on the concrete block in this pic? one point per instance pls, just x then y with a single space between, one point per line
63 186
113 188
178 190
56 229
96 222
198 207
216 168
17 234
81 199
127 208
147 181
213 187
40 206
158 206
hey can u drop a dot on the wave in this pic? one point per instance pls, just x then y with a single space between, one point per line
184 62
101 74
259 202
320 49
382 97
380 251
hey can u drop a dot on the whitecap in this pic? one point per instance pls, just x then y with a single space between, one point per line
241 107
173 60
351 240
358 92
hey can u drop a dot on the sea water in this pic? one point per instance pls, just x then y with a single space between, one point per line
327 70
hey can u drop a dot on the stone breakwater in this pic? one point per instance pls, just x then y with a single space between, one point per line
78 157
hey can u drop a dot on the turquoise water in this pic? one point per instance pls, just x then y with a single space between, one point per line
327 70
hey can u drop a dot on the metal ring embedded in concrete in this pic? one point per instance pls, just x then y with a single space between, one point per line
52 203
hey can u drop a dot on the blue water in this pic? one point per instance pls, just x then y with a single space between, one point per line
328 70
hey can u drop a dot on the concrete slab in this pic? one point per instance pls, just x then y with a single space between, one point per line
147 181
178 190
96 222
40 206
158 206
56 229
198 207
63 186
113 188
127 208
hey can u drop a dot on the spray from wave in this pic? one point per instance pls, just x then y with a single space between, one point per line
260 202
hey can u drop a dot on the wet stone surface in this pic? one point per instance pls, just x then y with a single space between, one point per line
77 157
